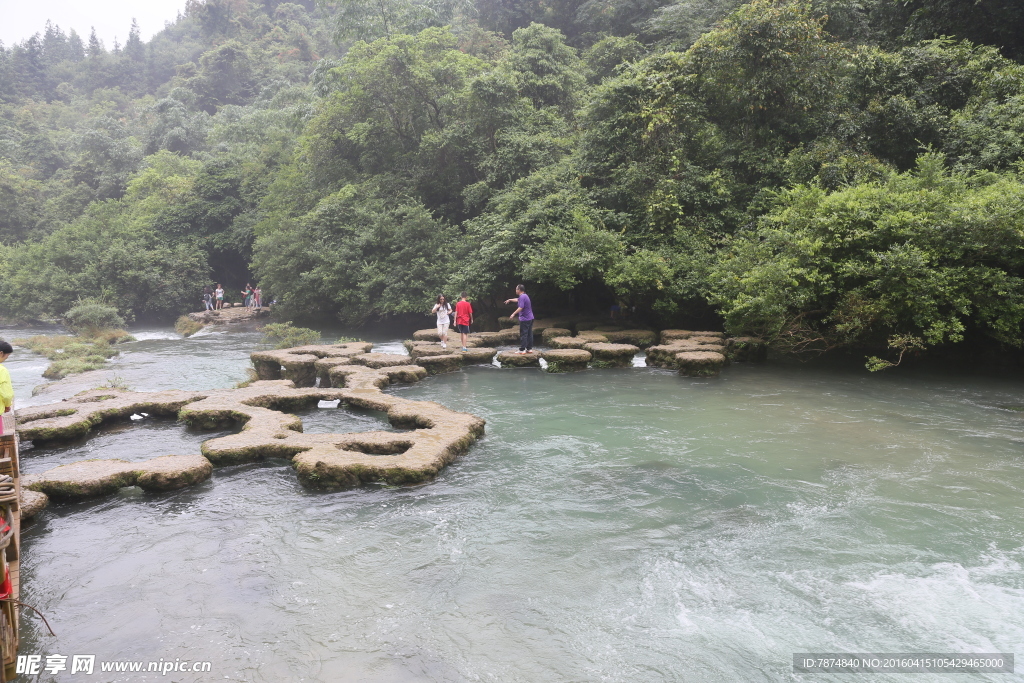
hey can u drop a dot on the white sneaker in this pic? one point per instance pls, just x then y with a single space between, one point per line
444 346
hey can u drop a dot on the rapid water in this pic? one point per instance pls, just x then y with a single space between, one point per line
612 525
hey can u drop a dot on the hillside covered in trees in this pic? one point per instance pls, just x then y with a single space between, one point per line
825 173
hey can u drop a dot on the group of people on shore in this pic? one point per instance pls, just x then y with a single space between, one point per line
463 313
213 297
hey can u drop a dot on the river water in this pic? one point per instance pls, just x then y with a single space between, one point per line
612 525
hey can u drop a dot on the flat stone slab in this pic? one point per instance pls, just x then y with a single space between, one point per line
667 336
380 360
31 503
700 363
321 460
579 341
747 349
608 355
438 364
487 338
91 478
664 355
514 359
641 338
550 333
228 316
706 339
479 356
565 360
429 334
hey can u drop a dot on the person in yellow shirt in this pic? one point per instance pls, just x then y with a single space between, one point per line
6 388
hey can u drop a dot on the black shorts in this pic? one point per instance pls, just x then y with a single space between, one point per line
462 328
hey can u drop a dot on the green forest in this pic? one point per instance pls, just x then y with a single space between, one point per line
822 173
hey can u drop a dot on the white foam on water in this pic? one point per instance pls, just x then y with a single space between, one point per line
395 346
155 335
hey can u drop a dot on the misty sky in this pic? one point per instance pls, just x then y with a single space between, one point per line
19 19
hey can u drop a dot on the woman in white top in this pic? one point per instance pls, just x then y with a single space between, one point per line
443 310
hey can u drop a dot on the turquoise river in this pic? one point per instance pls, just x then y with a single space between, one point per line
612 525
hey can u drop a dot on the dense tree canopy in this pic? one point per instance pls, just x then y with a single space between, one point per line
822 172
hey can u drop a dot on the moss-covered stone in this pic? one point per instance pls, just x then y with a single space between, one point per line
641 338
508 336
608 355
74 417
425 349
568 342
479 356
92 478
668 336
552 332
31 503
425 335
322 460
488 339
380 360
579 341
438 364
540 325
747 349
323 367
706 339
699 363
566 360
514 359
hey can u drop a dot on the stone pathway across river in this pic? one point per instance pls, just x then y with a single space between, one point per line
295 378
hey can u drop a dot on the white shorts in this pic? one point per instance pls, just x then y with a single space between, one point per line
442 329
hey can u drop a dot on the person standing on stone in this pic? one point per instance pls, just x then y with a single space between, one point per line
219 295
257 297
443 310
525 312
6 388
463 318
208 298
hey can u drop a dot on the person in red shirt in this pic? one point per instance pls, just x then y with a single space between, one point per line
463 318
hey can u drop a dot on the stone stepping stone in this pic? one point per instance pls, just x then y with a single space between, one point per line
667 336
612 355
700 363
481 356
579 341
435 365
553 332
747 349
566 360
641 338
31 503
92 478
664 355
425 335
514 359
269 431
380 360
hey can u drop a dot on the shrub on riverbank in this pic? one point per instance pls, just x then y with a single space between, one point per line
90 318
286 335
916 260
72 355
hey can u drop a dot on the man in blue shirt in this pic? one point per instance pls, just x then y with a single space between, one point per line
525 312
